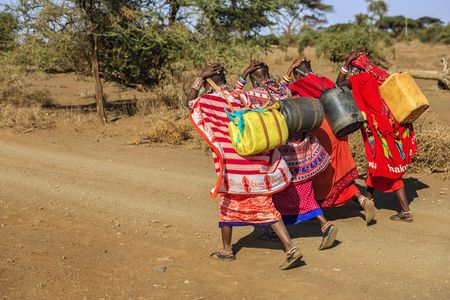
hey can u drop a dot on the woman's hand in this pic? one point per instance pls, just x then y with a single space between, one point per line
296 64
254 65
354 55
211 70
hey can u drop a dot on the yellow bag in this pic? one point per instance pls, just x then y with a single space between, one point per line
403 97
255 131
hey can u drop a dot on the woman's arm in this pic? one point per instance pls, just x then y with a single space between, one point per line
240 83
198 83
295 64
342 77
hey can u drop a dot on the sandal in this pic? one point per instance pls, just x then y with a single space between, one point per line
293 259
369 208
222 255
329 236
403 217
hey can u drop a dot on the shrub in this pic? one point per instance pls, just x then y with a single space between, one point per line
336 43
24 119
438 34
8 27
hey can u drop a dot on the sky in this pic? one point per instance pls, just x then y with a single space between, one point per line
344 10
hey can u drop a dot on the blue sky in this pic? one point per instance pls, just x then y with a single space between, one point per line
344 10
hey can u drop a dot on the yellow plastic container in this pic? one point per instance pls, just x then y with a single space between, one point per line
263 130
403 97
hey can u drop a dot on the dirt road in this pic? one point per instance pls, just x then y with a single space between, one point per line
81 219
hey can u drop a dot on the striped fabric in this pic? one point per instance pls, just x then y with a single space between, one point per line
262 174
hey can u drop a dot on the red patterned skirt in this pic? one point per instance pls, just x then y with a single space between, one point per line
244 210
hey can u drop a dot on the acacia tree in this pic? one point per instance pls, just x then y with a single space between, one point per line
291 15
377 10
94 14
8 27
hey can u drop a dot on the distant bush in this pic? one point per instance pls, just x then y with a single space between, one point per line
336 43
437 34
8 27
307 38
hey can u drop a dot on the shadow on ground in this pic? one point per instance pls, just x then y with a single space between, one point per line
262 237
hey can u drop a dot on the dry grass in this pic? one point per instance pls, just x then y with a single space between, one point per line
170 127
433 147
358 152
21 109
170 93
24 119
433 143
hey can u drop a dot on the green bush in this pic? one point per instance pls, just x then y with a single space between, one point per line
438 34
336 44
308 38
8 27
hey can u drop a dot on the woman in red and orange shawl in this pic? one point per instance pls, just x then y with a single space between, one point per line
389 146
245 184
335 186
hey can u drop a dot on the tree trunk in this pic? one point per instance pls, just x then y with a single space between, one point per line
99 96
442 78
174 8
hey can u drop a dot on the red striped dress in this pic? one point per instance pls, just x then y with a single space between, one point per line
245 184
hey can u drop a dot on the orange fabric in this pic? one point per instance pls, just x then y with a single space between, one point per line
241 210
334 186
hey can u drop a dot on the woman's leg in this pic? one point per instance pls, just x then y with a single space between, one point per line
280 230
405 215
329 232
226 254
227 232
293 255
368 205
322 220
400 194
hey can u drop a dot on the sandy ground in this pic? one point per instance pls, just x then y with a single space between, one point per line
85 216
81 218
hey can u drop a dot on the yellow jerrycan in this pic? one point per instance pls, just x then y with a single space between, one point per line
403 97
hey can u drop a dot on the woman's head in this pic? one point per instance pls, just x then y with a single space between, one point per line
261 74
303 69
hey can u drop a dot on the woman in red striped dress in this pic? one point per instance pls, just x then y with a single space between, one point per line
245 184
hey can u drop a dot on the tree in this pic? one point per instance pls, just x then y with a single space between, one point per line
395 25
336 44
291 15
93 12
377 10
361 19
8 28
427 22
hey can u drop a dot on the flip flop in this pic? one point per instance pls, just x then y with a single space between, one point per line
293 259
223 256
402 218
369 210
329 236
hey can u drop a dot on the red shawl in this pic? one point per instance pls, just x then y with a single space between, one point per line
389 145
310 86
262 174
